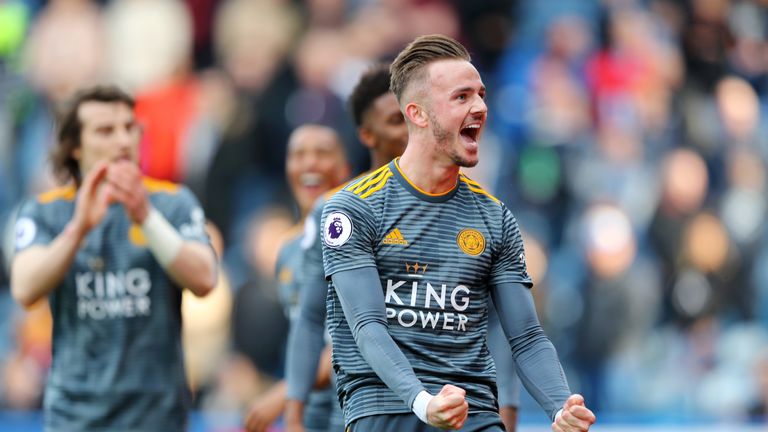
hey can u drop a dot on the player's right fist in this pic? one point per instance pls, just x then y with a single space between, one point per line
449 409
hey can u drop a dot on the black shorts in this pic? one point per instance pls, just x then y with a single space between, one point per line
476 422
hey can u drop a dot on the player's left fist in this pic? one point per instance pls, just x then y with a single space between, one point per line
575 417
127 188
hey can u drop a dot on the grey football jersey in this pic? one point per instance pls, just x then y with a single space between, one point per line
436 257
117 355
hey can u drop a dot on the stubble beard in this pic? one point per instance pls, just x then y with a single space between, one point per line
443 138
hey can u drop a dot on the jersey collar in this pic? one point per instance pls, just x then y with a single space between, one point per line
415 191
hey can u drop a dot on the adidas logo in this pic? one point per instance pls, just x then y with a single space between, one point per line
395 237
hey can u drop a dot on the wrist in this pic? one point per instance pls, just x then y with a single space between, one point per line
75 231
558 414
142 214
420 405
162 238
293 411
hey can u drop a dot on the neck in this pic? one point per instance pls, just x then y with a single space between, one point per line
379 160
427 169
304 211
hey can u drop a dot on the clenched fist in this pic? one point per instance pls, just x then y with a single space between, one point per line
449 409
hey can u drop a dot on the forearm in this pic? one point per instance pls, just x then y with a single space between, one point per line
305 343
506 375
306 340
277 393
537 364
389 363
509 418
195 268
37 271
190 264
294 412
364 311
323 378
540 370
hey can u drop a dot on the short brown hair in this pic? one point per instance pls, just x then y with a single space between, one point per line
69 128
410 63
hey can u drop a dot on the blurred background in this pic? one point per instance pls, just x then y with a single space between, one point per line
627 136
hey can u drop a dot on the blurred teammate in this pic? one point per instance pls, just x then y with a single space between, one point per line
315 163
414 250
382 129
111 250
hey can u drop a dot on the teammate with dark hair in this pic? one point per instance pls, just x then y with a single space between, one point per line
381 128
112 251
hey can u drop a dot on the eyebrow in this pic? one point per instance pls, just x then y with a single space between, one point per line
468 90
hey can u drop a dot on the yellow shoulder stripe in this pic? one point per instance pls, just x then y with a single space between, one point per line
370 179
343 186
154 185
476 188
377 186
469 181
363 178
66 193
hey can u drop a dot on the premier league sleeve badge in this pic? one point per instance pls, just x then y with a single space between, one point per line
337 229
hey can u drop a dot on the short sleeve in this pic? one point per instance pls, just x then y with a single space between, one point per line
509 261
184 212
348 232
31 227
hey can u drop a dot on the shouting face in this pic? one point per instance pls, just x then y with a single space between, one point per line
456 109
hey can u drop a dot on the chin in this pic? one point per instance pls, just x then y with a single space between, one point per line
465 161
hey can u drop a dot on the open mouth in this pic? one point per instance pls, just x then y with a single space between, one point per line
311 179
471 132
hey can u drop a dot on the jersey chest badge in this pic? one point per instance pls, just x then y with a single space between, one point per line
471 241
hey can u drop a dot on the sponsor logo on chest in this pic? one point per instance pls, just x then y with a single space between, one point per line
111 295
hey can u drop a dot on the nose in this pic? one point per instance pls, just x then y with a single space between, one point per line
311 160
479 107
127 136
124 138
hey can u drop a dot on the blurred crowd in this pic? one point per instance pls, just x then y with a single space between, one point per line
629 137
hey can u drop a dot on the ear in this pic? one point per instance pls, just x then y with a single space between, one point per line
416 114
366 137
77 153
